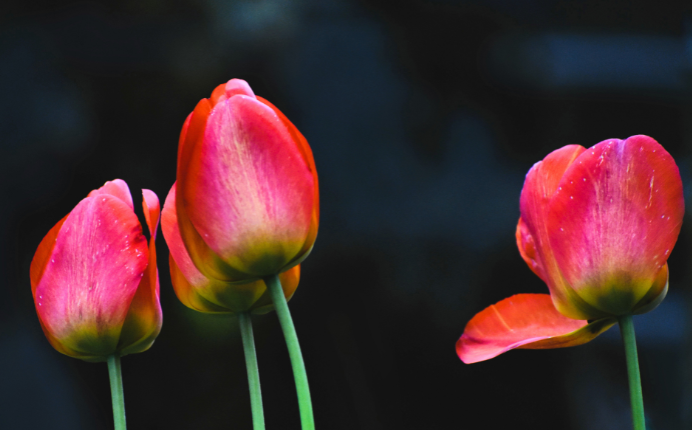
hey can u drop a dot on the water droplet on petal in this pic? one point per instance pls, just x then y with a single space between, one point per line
571 197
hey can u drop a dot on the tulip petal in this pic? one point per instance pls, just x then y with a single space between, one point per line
614 221
238 86
656 294
144 318
42 255
248 190
219 91
526 321
193 131
188 294
533 237
192 287
116 188
95 266
152 211
306 152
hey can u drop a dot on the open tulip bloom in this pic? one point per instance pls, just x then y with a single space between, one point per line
95 282
240 218
597 226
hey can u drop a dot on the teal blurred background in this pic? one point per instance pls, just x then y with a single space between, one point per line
424 117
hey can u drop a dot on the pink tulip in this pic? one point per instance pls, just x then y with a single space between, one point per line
597 226
94 280
247 193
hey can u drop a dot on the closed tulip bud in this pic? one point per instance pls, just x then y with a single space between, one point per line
94 278
247 194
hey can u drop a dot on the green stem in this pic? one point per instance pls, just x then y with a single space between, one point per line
627 331
116 376
299 374
252 370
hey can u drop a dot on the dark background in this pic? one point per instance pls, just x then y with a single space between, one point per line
424 117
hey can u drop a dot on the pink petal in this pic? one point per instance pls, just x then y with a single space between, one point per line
117 188
540 185
248 190
144 318
238 86
43 255
615 221
152 210
95 266
526 321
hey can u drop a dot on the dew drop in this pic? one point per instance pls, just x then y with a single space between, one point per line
104 199
571 197
654 150
571 182
662 216
52 261
583 179
40 304
562 229
559 188
40 297
667 251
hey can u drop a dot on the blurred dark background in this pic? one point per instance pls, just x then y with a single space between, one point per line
424 117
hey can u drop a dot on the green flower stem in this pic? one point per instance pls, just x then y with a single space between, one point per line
252 370
116 376
627 331
299 374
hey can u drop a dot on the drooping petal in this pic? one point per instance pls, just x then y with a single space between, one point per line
248 191
144 318
526 321
95 266
615 221
116 188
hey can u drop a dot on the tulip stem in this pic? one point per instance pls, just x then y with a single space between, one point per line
299 374
627 331
252 370
117 394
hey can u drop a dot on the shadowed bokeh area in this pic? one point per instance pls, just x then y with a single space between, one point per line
424 117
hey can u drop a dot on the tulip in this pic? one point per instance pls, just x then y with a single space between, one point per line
94 279
247 203
597 226
241 217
